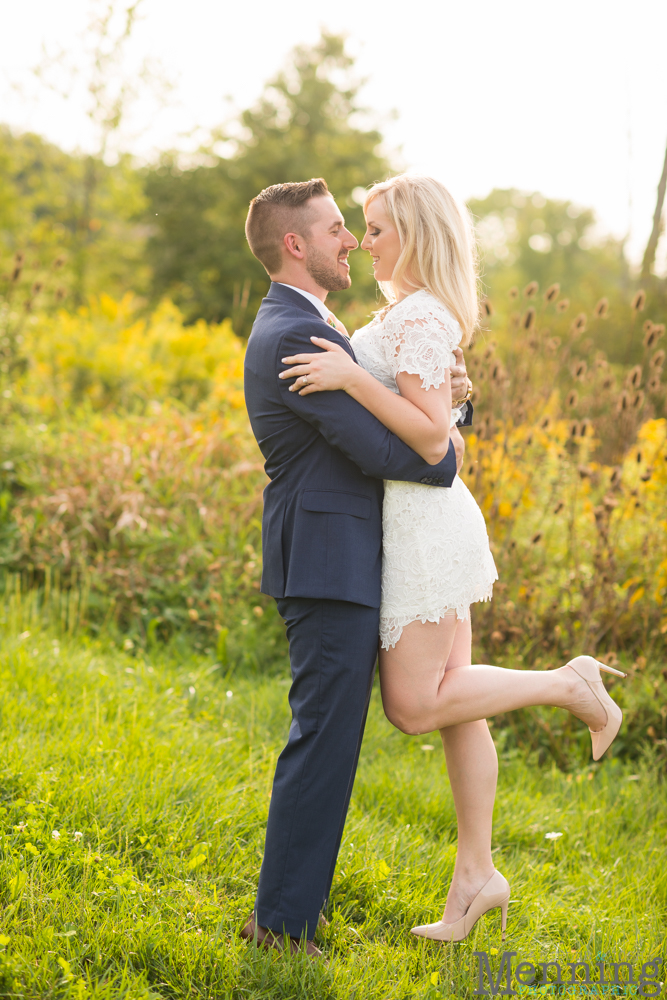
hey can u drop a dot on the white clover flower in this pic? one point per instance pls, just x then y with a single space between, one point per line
78 835
552 836
55 834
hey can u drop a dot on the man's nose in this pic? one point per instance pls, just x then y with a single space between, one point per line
350 240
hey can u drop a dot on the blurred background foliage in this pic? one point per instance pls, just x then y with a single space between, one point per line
130 483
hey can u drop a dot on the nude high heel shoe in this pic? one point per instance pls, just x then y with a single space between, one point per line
495 893
589 669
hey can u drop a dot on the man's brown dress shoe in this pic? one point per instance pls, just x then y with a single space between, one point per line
267 939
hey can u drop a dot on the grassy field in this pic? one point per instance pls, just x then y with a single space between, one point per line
134 793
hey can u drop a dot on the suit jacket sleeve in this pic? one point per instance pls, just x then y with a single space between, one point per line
466 418
351 428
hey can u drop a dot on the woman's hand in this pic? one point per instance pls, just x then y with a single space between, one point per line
333 369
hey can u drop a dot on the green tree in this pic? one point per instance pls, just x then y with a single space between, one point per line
527 237
44 216
306 124
97 77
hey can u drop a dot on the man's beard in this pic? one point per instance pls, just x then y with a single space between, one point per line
325 272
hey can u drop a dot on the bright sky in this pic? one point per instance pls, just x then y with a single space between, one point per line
569 99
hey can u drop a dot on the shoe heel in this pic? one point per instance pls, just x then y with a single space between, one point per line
611 670
503 918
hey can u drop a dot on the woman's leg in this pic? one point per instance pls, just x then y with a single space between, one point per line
472 765
420 695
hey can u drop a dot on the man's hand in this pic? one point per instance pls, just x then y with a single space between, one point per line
459 377
459 446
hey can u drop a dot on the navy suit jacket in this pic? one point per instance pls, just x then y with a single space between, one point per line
326 457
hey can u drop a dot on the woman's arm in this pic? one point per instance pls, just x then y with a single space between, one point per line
419 417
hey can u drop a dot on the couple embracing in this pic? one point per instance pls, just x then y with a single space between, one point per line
370 539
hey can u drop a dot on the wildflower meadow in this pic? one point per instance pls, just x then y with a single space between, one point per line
145 676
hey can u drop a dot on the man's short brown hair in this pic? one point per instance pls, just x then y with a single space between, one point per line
277 210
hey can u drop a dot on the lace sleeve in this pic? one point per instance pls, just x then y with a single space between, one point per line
422 335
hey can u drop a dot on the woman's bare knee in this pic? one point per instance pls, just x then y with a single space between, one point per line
404 718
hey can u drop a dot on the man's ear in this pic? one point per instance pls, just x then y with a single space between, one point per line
294 245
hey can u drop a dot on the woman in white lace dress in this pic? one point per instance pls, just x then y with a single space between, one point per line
436 555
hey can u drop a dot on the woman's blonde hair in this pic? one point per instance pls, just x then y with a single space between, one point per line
438 250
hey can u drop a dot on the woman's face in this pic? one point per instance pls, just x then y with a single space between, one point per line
381 240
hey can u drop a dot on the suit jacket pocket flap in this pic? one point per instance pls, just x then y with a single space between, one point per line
335 502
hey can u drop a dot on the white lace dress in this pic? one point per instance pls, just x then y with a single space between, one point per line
436 555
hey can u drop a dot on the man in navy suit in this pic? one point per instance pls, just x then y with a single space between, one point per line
326 458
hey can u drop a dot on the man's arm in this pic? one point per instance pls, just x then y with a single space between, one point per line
348 426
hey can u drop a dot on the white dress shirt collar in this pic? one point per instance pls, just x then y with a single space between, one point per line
319 305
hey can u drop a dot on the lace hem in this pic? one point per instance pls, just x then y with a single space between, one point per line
391 628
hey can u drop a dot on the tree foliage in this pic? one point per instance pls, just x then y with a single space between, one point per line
525 237
45 215
307 123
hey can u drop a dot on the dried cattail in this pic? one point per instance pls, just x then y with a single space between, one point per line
513 292
638 457
658 359
584 471
37 287
16 273
559 506
654 384
647 325
528 318
602 308
545 423
616 477
572 398
647 475
531 290
579 369
652 333
488 353
536 538
496 372
552 293
579 325
638 400
634 377
563 305
573 429
586 428
638 301
58 262
623 402
471 470
486 307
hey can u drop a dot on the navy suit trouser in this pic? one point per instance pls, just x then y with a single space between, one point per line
333 649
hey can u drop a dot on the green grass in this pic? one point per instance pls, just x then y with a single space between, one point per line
164 765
